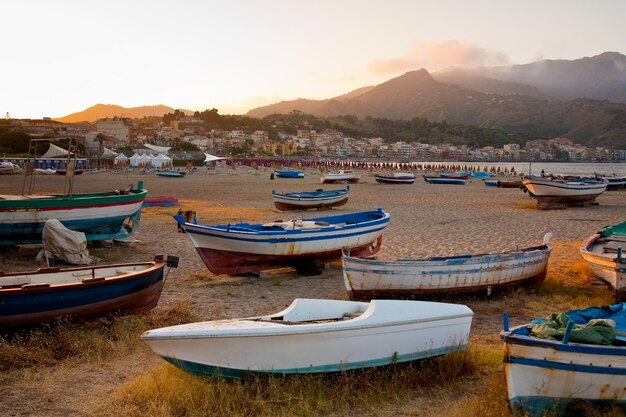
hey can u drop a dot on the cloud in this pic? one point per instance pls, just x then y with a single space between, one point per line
437 55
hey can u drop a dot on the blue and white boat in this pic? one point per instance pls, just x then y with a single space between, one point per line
365 279
318 199
42 296
444 180
395 178
554 192
557 373
244 247
288 173
315 336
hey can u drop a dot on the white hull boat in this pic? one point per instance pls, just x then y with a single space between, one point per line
604 253
554 192
314 336
340 176
544 375
464 274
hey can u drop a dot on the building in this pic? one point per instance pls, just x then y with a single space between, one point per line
116 127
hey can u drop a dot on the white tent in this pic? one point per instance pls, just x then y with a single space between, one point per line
134 160
161 160
144 160
159 149
107 153
54 152
211 158
121 158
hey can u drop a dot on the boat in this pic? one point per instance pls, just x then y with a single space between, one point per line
444 180
604 253
160 201
8 168
248 248
366 279
509 183
556 375
64 171
553 192
343 175
315 336
47 171
101 216
288 173
170 174
491 183
43 296
614 182
318 199
395 178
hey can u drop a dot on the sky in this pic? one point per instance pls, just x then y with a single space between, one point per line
63 56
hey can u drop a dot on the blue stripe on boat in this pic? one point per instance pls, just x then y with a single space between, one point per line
543 363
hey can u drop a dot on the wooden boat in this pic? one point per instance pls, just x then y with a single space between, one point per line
444 180
318 199
395 178
288 173
42 296
160 201
313 336
509 183
170 174
243 248
101 216
551 192
604 253
344 175
557 375
463 274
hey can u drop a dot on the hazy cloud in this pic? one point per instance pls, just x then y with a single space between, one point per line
437 55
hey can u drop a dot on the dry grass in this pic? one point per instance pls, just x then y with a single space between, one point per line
167 391
90 341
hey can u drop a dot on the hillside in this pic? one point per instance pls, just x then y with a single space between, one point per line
101 111
417 94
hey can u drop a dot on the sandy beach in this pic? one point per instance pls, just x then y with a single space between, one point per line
426 220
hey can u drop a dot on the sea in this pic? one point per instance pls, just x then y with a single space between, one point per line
550 168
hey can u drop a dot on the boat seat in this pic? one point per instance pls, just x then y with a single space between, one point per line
14 281
611 247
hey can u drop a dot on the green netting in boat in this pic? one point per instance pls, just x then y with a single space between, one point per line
618 229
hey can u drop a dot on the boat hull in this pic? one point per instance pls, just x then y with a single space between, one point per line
394 179
238 249
605 266
100 216
289 174
444 180
544 375
368 279
132 293
312 200
294 347
168 174
556 193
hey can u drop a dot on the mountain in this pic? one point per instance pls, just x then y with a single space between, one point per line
601 77
476 82
101 111
417 94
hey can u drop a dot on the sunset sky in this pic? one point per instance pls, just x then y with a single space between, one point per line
62 56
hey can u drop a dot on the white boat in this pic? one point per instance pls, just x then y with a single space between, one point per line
318 199
410 278
344 175
8 168
604 253
551 192
557 375
248 248
313 336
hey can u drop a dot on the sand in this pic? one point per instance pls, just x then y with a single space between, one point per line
426 220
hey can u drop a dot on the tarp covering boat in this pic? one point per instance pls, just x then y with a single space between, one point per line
63 243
